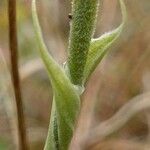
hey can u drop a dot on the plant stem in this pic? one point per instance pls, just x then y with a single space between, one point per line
13 43
82 27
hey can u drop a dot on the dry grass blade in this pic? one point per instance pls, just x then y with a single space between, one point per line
29 68
108 127
7 97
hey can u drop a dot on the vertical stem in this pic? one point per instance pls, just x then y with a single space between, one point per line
13 43
83 23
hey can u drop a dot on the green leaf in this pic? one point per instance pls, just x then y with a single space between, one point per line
99 47
66 102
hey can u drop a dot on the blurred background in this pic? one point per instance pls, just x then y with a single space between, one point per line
123 73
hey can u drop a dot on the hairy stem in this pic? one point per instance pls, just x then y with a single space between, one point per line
66 101
82 28
13 43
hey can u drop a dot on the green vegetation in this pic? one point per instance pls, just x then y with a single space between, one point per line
85 54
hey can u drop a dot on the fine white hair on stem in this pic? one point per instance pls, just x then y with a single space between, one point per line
116 122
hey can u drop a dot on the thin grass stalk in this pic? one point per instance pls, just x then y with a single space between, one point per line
13 44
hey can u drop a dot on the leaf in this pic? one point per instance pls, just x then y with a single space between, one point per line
66 102
99 47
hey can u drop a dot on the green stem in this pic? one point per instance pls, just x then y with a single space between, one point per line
82 28
66 102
